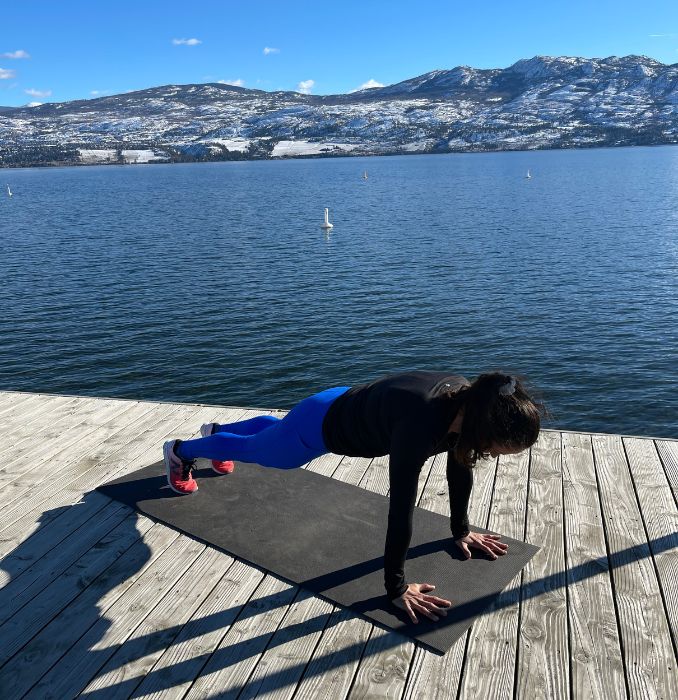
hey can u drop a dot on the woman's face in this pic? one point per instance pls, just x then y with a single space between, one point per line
497 450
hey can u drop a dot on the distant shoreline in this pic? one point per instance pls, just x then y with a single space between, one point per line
235 157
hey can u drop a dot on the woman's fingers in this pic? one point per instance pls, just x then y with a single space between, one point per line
420 607
410 612
426 587
488 544
441 602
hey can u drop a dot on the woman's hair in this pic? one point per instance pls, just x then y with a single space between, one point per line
497 412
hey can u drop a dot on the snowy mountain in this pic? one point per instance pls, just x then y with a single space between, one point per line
542 102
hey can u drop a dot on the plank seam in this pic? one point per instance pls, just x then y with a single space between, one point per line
567 569
609 568
75 642
218 643
652 554
522 581
312 654
360 661
666 474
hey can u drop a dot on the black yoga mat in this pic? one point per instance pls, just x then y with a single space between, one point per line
327 536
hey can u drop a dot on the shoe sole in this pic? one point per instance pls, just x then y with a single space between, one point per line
216 471
203 429
166 457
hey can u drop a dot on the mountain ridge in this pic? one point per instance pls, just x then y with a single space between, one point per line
540 102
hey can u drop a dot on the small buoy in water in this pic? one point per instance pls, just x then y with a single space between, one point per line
326 224
528 176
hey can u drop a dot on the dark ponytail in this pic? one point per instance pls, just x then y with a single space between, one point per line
497 412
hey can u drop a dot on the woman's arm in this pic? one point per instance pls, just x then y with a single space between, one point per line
405 462
459 485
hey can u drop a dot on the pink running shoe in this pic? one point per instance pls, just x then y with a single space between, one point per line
179 475
206 430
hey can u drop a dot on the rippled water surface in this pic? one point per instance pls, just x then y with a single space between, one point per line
214 282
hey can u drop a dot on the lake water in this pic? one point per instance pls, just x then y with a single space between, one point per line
215 283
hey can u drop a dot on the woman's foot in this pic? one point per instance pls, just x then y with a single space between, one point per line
206 430
179 471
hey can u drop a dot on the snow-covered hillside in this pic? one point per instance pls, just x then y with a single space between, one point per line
542 102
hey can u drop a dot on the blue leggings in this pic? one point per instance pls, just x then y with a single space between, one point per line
272 442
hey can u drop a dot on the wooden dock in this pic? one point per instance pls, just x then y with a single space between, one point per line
99 602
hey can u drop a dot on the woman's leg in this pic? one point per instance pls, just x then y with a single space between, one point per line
276 446
285 444
247 427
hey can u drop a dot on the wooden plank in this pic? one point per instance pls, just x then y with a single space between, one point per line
34 409
335 661
47 445
24 554
280 667
376 478
543 643
493 638
26 668
66 463
595 649
668 453
181 662
432 675
132 456
86 657
325 465
352 470
660 517
384 666
16 405
135 658
23 430
30 496
229 667
646 640
21 589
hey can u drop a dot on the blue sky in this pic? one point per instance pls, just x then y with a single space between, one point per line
53 51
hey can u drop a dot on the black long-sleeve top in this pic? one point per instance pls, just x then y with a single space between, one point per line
408 417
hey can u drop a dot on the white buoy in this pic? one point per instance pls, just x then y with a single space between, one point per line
9 192
528 176
326 224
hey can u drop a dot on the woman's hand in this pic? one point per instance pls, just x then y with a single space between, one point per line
415 598
487 543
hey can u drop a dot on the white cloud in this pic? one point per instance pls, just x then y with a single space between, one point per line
95 93
305 86
186 42
15 54
237 83
38 93
6 74
371 83
33 104
269 49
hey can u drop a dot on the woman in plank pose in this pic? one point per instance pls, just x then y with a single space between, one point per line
410 417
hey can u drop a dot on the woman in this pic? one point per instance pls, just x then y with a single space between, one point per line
409 416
